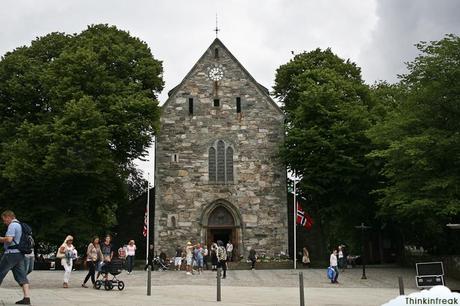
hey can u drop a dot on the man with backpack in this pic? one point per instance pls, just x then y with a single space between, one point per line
15 245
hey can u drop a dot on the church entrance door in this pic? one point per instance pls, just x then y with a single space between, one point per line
223 234
221 226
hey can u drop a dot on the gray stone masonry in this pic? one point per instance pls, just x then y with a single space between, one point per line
185 197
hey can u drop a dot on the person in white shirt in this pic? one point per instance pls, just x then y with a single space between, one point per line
130 253
333 264
341 258
67 253
229 251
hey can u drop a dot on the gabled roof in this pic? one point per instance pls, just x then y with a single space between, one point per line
263 90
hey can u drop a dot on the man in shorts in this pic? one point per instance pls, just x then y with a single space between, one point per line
189 257
13 259
178 258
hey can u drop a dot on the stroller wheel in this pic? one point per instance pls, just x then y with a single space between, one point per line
121 285
108 285
98 284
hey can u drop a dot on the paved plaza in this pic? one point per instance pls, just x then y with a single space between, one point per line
260 287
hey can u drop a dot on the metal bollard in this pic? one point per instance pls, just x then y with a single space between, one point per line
219 297
401 285
302 296
149 280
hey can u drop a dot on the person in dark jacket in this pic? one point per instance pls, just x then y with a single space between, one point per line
214 256
253 258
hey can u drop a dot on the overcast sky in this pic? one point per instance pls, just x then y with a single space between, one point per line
376 34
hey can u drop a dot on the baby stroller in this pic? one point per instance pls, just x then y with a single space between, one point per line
162 266
113 268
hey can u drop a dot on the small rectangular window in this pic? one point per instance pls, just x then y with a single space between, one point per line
216 102
190 106
238 105
216 53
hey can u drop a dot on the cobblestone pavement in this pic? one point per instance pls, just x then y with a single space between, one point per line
264 287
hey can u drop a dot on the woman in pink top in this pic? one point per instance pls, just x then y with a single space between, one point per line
130 253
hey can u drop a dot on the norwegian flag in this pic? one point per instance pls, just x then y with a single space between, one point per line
304 218
144 231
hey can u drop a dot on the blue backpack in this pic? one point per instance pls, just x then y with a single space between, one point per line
330 273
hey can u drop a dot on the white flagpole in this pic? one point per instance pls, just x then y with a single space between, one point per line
295 223
148 220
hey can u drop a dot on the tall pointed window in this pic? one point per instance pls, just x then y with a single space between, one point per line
229 164
212 164
220 160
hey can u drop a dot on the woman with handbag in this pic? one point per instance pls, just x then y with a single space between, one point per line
67 253
93 256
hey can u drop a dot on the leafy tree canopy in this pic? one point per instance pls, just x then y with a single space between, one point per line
419 143
327 107
75 111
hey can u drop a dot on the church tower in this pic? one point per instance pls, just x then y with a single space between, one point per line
218 174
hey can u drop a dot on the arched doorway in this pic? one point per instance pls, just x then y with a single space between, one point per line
221 226
222 221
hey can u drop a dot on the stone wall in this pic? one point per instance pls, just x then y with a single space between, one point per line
183 190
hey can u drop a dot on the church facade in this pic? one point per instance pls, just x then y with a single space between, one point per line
218 174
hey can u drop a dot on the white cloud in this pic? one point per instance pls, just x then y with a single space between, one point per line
436 296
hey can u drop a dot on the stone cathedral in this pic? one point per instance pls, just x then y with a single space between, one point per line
218 176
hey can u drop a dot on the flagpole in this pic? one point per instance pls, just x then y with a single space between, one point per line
148 221
295 224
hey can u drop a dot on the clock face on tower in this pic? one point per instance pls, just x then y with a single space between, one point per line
216 73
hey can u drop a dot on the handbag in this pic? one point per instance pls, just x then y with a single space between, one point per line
60 254
330 273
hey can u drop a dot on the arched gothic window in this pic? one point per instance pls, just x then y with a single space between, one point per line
229 164
220 163
212 164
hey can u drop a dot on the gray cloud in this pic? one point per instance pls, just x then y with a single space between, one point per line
401 24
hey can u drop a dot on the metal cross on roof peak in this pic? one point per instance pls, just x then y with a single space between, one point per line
217 28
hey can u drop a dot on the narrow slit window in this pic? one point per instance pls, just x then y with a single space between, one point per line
216 102
190 106
238 105
216 53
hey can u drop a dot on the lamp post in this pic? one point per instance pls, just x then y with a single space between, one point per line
295 181
363 227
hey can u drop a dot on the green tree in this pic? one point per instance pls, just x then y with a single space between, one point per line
75 112
327 106
419 142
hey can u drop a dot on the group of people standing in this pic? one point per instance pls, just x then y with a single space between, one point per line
196 257
100 255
